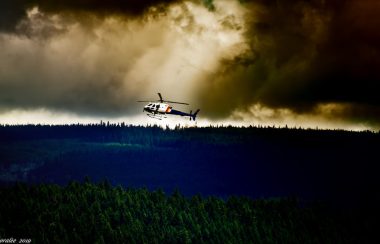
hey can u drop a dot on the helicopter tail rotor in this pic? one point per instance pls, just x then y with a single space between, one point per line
194 116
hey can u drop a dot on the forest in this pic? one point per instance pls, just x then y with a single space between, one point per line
99 213
198 184
222 161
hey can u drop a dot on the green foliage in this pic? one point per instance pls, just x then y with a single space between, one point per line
100 213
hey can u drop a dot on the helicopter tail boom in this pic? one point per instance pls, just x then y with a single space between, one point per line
192 116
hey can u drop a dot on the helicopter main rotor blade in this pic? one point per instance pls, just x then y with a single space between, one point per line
162 100
150 101
159 94
176 102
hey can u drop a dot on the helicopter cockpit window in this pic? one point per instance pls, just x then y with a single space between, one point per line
157 106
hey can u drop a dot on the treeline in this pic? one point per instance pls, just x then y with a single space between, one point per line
99 213
158 136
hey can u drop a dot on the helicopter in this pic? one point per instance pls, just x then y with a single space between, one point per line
160 108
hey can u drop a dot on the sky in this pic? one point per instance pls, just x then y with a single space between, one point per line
300 63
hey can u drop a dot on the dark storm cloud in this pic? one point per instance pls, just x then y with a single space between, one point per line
348 64
304 53
89 57
12 11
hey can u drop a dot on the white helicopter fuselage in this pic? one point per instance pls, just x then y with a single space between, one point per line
161 108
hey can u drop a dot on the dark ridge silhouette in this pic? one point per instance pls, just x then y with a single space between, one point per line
91 131
326 182
334 165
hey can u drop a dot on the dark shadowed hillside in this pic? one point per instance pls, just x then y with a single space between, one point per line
326 182
256 162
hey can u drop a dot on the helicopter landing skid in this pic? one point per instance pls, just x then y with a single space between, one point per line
156 116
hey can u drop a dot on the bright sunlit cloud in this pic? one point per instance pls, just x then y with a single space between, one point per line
240 62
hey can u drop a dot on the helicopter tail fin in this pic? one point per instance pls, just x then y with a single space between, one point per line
194 115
